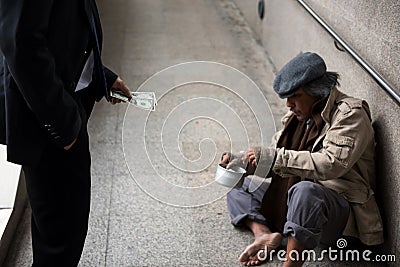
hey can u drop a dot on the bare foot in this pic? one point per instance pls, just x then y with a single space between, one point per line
249 256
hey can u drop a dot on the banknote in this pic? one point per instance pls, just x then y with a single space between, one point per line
145 95
144 100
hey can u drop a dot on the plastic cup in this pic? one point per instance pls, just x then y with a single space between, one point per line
232 177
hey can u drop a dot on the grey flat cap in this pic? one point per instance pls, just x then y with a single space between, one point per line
299 71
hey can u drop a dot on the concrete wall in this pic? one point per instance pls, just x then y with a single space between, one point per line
372 28
249 9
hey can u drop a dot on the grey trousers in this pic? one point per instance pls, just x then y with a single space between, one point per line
315 213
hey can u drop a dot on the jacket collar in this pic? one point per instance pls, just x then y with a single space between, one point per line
334 98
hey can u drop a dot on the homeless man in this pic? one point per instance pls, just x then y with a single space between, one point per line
321 164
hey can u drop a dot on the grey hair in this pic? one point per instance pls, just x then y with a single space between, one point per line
321 87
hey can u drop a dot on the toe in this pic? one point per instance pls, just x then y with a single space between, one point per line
244 257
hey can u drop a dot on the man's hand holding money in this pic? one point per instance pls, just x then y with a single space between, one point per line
119 86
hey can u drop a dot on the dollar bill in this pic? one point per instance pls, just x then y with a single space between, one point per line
144 100
143 103
145 95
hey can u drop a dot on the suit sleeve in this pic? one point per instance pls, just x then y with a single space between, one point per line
111 77
2 102
23 28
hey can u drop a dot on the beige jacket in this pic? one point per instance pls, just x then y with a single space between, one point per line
342 159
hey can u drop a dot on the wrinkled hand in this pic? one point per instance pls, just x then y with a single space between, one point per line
225 158
251 159
119 86
230 160
247 161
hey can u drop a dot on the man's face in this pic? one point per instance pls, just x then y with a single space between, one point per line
301 104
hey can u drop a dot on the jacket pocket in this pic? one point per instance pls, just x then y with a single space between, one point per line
340 147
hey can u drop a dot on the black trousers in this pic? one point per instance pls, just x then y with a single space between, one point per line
59 195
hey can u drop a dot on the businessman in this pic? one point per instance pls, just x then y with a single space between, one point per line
52 76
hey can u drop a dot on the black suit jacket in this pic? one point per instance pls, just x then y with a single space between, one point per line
45 46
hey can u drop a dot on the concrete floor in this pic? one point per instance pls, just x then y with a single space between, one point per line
148 168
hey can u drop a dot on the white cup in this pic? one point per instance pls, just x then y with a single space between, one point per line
231 177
